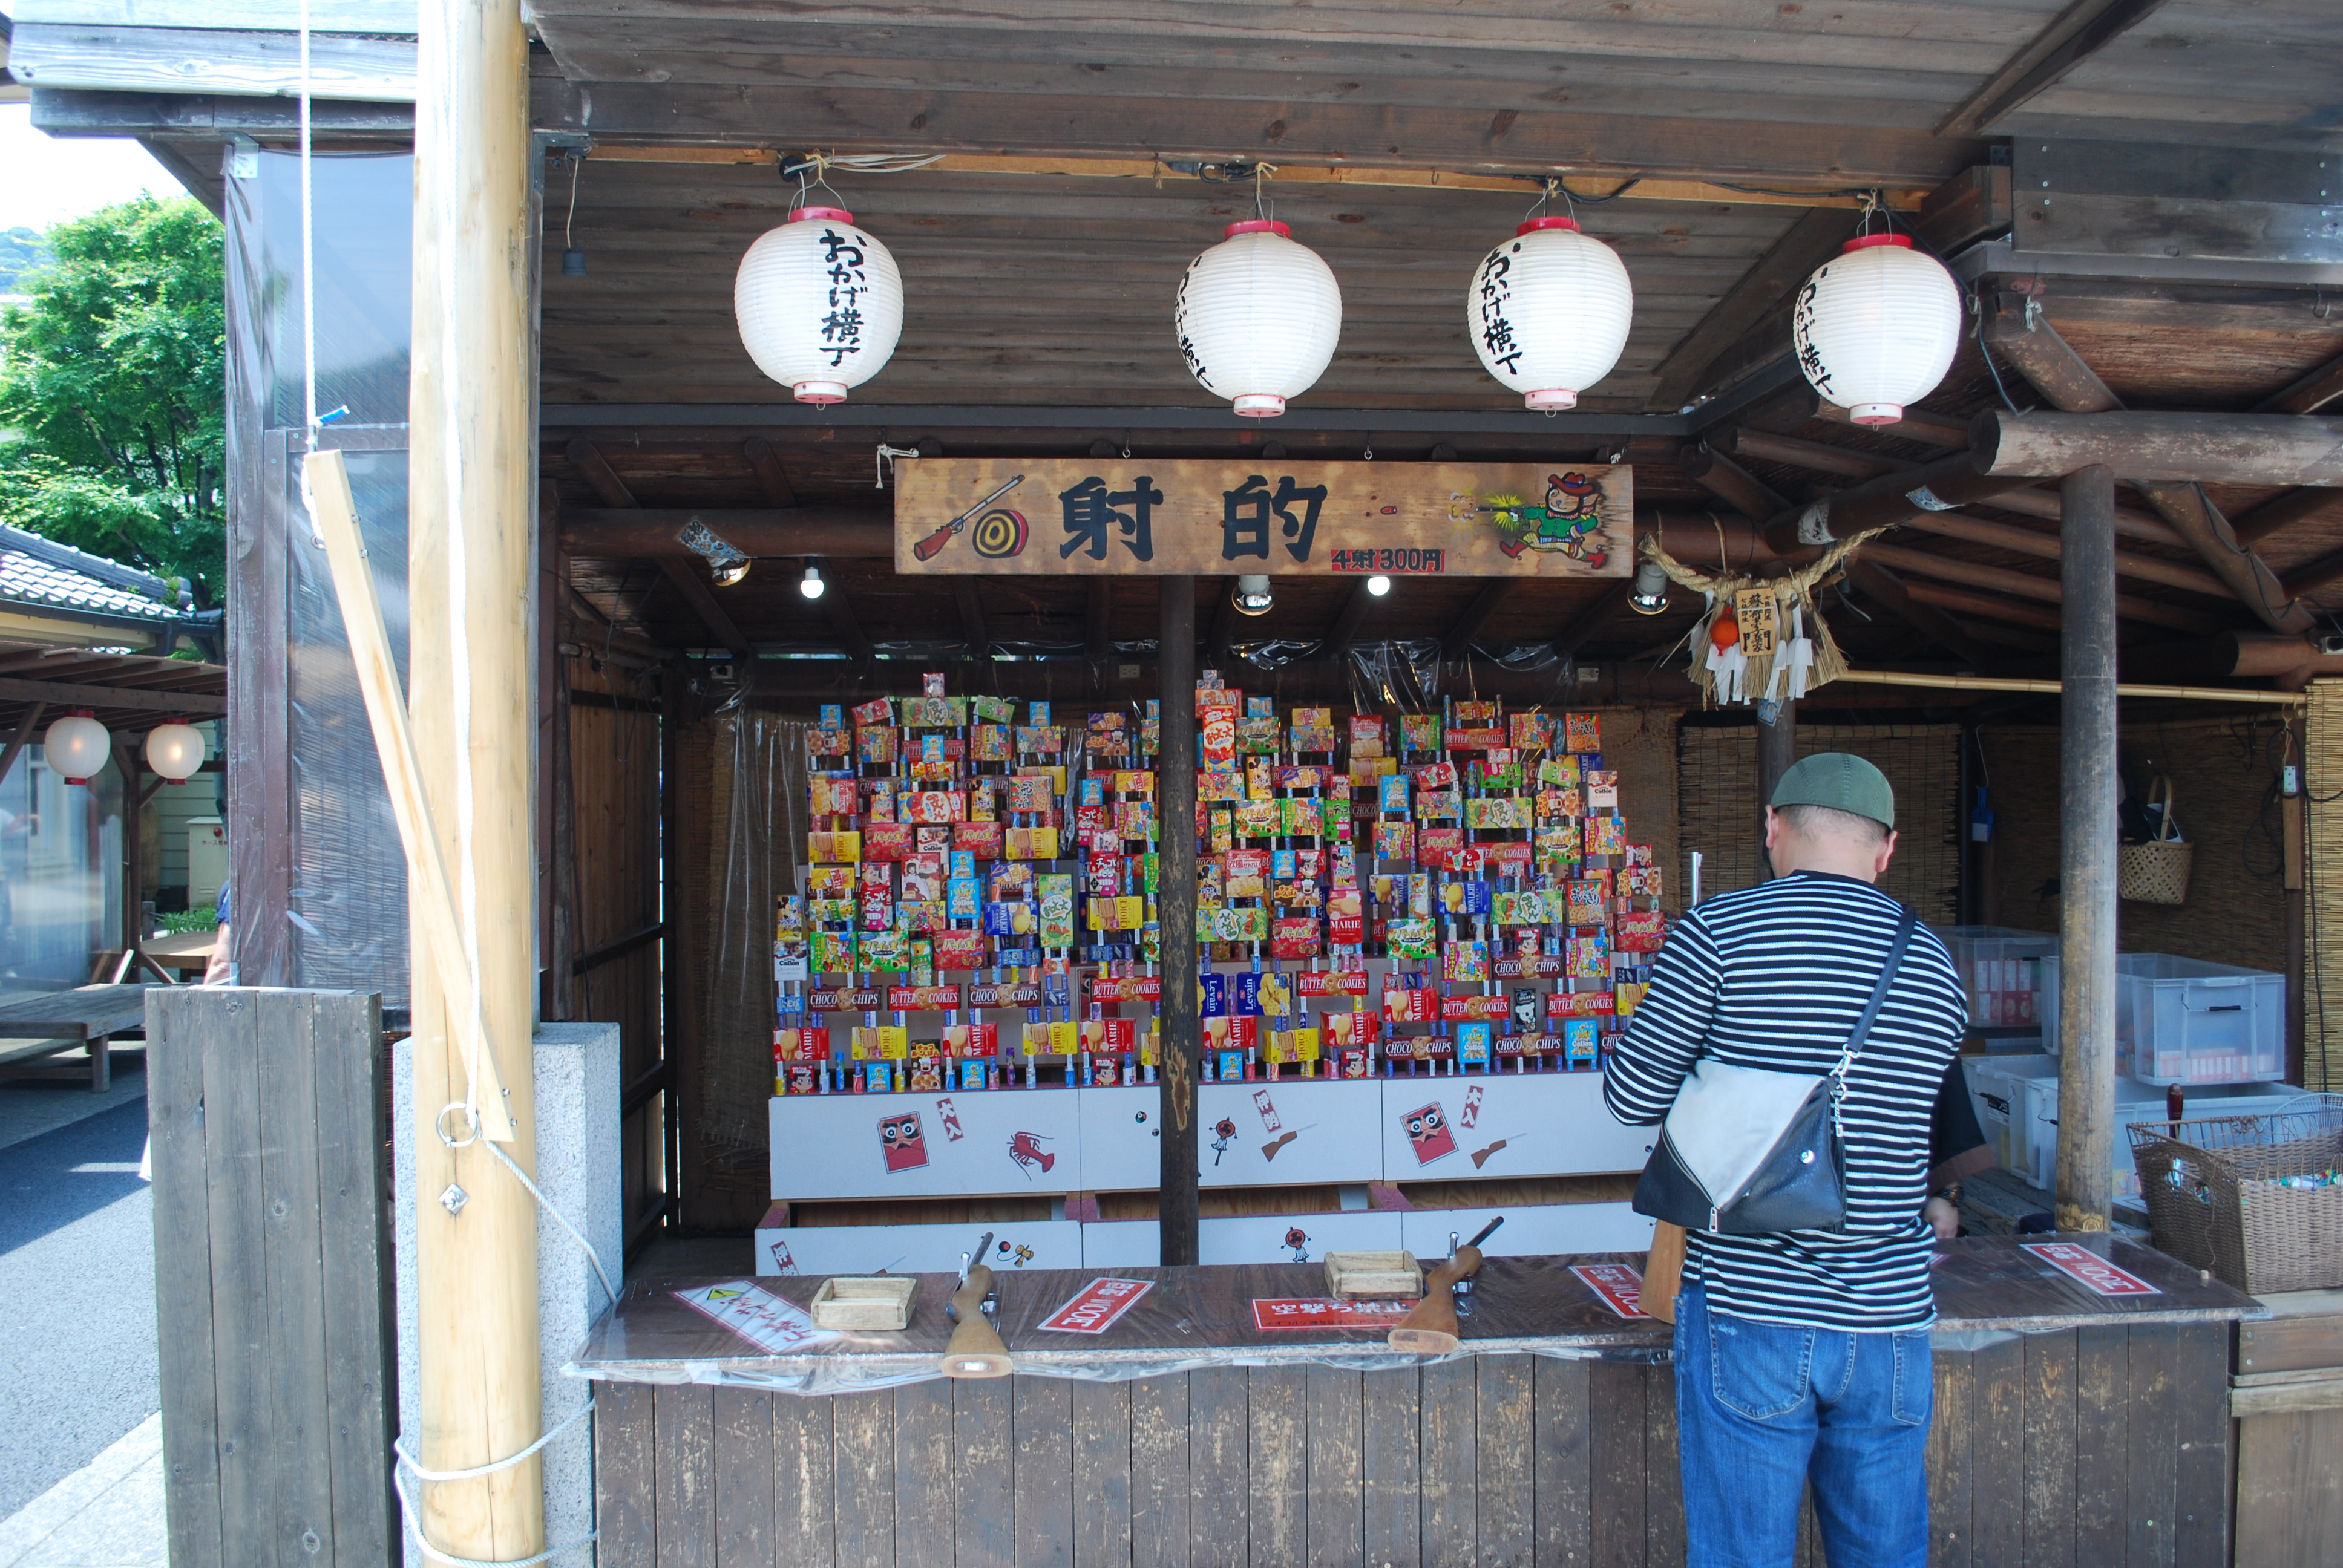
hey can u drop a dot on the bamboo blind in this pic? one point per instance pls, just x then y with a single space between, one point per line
2322 990
1720 815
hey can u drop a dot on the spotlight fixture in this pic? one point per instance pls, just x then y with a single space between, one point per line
1651 594
813 585
725 563
1379 584
1253 596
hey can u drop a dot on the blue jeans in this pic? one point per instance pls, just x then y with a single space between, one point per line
1762 1409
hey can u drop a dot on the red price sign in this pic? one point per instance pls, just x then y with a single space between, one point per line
2095 1272
1616 1285
1096 1308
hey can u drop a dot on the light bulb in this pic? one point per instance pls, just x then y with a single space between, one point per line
1379 584
1651 594
1252 595
813 585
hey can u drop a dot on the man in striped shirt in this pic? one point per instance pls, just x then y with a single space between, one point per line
1803 1355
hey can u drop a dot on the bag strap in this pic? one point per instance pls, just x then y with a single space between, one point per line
2166 830
1879 995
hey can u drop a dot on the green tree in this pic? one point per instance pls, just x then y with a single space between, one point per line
112 393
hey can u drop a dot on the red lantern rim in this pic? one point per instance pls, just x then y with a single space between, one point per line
1257 225
827 214
1873 241
1537 223
81 713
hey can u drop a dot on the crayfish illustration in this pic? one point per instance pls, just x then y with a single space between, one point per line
1025 1147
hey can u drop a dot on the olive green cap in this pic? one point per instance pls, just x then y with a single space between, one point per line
1841 782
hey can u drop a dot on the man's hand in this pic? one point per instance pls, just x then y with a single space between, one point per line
1942 1217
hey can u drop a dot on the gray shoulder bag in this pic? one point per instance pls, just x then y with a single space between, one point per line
1745 1150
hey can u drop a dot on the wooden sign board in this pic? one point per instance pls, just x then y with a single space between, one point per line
1173 517
1759 617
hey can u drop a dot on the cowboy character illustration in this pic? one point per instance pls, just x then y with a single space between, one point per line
1569 521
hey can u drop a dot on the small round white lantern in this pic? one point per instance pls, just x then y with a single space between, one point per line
77 746
820 304
1548 312
176 750
1876 327
1258 317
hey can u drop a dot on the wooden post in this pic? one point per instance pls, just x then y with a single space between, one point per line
2087 853
2294 846
1778 749
469 571
1175 798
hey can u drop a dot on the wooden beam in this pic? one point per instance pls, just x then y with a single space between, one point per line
2310 395
1887 589
1345 629
2033 542
1588 621
1820 456
24 736
596 470
972 628
2166 448
2283 511
2313 578
2014 324
696 593
1458 642
1176 1118
2089 833
2025 585
2190 511
73 694
1985 606
1917 425
1804 245
768 470
635 533
2079 32
2130 522
1728 481
1898 496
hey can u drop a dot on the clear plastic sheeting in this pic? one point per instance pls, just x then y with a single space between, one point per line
1186 1318
317 876
60 883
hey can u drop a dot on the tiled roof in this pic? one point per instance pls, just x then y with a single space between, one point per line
38 571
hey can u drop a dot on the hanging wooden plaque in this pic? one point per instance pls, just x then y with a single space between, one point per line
1759 618
1174 517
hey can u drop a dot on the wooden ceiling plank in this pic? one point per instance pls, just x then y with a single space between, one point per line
702 600
1885 589
1729 482
596 470
1818 456
2024 584
1458 640
2081 30
2027 541
1804 245
1982 606
2310 393
767 468
621 533
2283 511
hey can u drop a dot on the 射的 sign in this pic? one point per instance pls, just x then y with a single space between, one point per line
1205 517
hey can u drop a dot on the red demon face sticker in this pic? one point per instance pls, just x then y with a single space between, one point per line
899 1140
1427 1130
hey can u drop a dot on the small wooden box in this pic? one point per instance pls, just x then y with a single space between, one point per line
1374 1276
881 1302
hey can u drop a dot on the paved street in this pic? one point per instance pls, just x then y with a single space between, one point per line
78 1315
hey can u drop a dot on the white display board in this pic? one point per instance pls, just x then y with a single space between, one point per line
1530 1230
1135 1245
1481 1126
917 1249
927 1145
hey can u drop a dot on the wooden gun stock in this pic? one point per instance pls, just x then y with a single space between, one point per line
1663 1272
976 1349
1430 1327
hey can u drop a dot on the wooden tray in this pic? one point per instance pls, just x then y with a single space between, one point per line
1374 1276
881 1302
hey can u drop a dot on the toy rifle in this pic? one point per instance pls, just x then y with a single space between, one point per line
1430 1328
926 548
1663 1269
975 1350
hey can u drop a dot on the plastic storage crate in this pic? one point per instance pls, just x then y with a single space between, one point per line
2001 968
2017 1102
2218 1198
2179 1020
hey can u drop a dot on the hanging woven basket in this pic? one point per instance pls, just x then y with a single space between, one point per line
2156 872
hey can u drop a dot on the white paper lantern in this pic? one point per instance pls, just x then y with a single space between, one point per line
1548 312
176 750
820 304
77 746
1258 317
1876 327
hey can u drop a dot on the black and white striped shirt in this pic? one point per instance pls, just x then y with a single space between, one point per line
1775 977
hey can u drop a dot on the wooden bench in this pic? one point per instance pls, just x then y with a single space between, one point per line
38 1025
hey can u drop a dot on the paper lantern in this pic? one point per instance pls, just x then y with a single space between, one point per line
176 750
77 746
1548 312
1876 327
1258 317
820 304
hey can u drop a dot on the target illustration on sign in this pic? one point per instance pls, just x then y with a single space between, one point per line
999 534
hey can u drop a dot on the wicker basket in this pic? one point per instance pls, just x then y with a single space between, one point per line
2156 873
2214 1202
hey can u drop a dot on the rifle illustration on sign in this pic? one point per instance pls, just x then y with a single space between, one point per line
999 534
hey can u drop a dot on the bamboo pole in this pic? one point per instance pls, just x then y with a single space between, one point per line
2054 688
469 557
1175 796
2087 835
